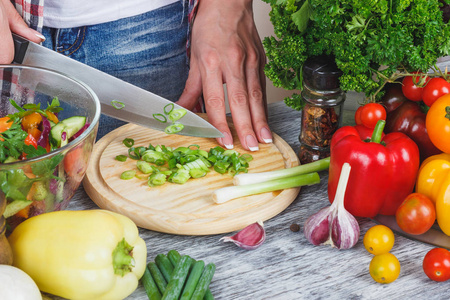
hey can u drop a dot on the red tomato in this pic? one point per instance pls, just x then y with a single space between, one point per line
30 140
416 214
75 163
358 115
436 264
434 89
370 114
410 89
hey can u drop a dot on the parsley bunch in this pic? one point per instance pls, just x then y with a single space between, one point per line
373 42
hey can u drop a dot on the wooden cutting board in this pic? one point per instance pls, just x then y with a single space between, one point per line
186 209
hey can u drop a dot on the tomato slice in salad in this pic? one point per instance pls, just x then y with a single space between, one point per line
4 125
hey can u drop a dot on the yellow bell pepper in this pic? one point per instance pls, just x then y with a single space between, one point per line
433 180
89 254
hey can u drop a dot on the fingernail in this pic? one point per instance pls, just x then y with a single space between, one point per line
266 135
39 35
227 140
252 143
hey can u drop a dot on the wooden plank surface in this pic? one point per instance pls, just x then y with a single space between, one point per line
287 266
188 208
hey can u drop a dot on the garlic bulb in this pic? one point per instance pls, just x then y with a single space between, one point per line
249 238
334 225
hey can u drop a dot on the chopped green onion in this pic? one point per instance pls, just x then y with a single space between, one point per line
128 142
247 157
177 114
144 167
121 157
179 164
168 108
197 173
160 117
136 153
156 179
174 128
153 156
126 175
117 104
180 176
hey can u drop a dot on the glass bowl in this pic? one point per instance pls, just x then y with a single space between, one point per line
36 185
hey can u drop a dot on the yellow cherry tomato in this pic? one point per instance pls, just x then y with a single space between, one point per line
384 268
379 239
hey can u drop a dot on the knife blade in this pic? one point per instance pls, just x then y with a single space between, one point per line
139 104
433 236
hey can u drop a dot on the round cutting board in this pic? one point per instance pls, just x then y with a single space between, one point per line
186 209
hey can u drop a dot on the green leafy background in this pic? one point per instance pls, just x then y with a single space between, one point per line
373 41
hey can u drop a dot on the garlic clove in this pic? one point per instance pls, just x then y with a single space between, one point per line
317 227
249 238
345 233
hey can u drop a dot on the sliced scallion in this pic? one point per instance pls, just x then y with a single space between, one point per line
169 108
144 167
121 157
177 114
128 142
117 104
126 175
160 117
156 179
174 128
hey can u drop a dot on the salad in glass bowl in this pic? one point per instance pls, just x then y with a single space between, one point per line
48 125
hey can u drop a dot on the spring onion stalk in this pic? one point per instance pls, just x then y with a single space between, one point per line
251 178
232 192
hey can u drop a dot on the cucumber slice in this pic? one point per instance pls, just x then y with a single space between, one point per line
70 126
15 206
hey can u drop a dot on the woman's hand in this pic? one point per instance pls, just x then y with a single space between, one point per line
226 48
11 21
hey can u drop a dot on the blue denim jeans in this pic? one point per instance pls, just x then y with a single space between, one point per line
147 50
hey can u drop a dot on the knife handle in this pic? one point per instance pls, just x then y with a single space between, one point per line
20 48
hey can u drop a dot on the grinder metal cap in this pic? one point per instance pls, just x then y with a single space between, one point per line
321 73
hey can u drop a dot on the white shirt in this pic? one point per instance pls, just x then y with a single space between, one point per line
76 13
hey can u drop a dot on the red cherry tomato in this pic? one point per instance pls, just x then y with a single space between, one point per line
369 114
436 264
410 89
434 89
416 214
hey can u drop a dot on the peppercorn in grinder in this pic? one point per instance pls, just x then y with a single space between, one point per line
322 113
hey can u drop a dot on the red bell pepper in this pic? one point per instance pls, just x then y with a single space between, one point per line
407 116
383 170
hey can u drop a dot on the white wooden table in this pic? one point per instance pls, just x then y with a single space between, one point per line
287 266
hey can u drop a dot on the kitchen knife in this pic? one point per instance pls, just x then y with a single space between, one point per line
433 236
139 104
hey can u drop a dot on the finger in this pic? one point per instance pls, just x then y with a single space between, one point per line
257 96
193 88
18 25
213 94
238 99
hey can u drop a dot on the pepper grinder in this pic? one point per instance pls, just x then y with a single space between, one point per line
322 113
6 257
